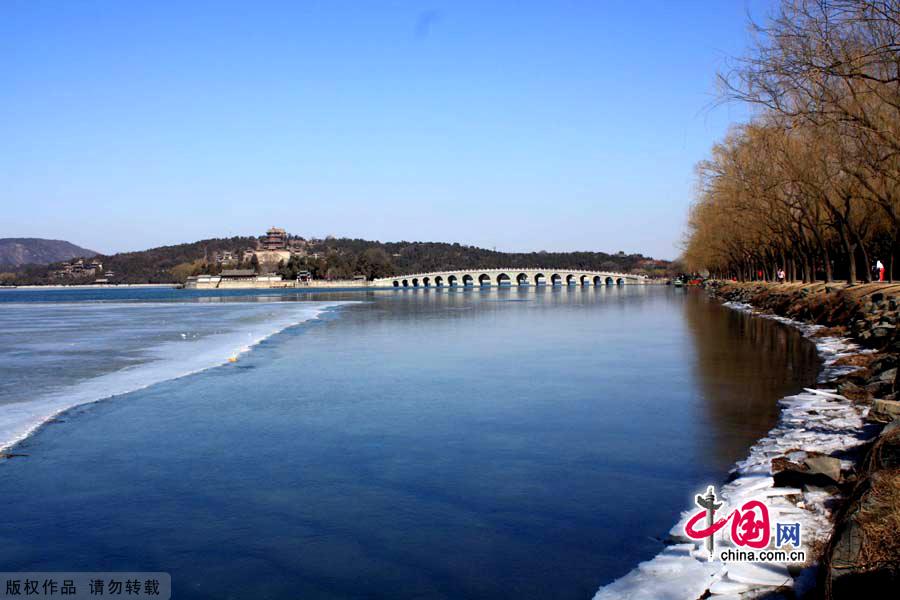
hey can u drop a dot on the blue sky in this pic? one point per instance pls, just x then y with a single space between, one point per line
516 125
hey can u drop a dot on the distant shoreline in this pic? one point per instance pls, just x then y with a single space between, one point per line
90 286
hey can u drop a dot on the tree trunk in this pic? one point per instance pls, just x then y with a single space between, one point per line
829 275
893 259
865 258
850 247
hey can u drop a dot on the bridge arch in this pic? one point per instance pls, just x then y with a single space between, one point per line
509 277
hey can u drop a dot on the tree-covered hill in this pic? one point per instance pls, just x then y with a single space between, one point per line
156 265
347 257
332 258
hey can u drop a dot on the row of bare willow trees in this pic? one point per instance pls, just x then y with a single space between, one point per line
812 184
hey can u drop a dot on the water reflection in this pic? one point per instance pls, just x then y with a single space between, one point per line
742 365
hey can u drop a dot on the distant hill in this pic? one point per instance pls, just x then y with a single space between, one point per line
332 258
15 252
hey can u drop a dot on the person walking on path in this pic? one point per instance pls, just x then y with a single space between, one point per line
879 268
780 275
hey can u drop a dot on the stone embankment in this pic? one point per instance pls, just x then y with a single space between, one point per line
862 558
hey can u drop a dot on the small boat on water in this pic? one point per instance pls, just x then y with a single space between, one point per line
678 282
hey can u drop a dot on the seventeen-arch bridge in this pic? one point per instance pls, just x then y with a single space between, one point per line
509 277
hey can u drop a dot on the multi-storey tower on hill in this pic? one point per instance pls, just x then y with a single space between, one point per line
275 239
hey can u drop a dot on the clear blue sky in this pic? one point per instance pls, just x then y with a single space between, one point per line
516 125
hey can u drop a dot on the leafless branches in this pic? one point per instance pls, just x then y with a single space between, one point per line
813 184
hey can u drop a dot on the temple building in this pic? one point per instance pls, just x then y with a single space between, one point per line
275 239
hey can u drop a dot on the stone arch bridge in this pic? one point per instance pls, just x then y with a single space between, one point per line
509 277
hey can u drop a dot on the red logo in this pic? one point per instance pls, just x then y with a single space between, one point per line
749 525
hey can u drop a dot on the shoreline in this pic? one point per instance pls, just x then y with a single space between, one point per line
91 286
818 423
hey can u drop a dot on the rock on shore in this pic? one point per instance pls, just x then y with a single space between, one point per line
862 558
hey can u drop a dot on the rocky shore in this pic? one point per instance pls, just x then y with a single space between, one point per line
861 558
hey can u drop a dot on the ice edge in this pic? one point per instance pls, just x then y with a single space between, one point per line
33 423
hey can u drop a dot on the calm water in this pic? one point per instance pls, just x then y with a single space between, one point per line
531 443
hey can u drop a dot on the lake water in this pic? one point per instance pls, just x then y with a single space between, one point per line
396 444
